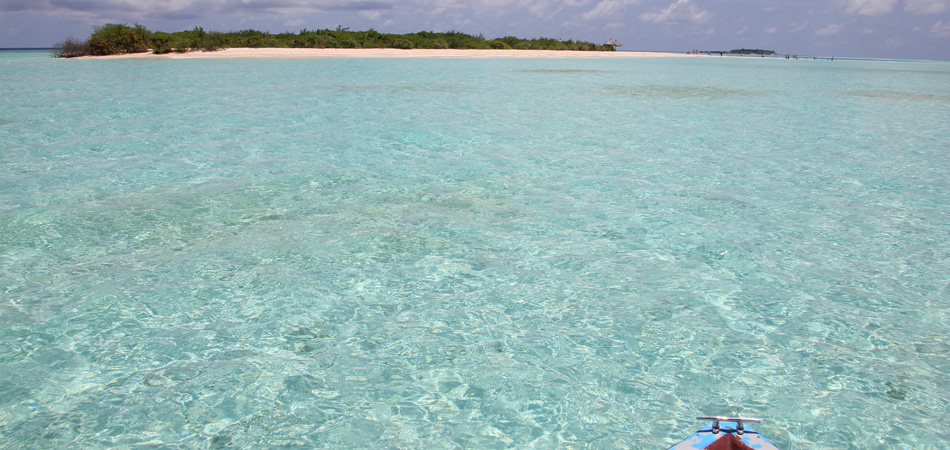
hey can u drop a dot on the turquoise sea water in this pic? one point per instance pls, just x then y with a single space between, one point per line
455 254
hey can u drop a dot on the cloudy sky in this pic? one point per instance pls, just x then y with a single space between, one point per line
860 28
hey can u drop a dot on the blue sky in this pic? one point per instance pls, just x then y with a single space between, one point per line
914 29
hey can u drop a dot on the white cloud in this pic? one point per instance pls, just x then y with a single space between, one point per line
607 8
769 30
545 9
742 30
186 9
604 9
497 5
894 42
678 12
829 30
882 7
371 15
869 7
940 30
926 6
289 10
798 26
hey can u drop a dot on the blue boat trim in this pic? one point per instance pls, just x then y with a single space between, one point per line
707 435
727 430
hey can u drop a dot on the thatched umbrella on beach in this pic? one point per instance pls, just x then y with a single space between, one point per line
612 43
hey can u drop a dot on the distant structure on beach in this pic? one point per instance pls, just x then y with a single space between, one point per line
612 43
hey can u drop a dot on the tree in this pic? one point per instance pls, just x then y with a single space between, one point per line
114 39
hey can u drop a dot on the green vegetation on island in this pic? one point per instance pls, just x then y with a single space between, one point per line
115 39
739 51
751 51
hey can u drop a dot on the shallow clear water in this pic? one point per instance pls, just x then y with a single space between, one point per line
472 253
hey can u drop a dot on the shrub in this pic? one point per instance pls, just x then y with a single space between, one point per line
161 42
274 41
346 42
321 41
512 41
71 48
114 39
142 32
212 41
404 44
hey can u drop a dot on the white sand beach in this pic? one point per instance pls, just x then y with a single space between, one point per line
330 53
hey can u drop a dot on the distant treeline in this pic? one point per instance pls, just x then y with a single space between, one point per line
113 39
751 51
739 51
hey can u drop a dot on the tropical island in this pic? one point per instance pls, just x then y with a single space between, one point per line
752 51
738 51
118 39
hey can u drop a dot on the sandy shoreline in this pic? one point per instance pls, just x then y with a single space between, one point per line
334 53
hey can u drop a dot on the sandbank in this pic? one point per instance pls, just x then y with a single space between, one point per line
335 53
